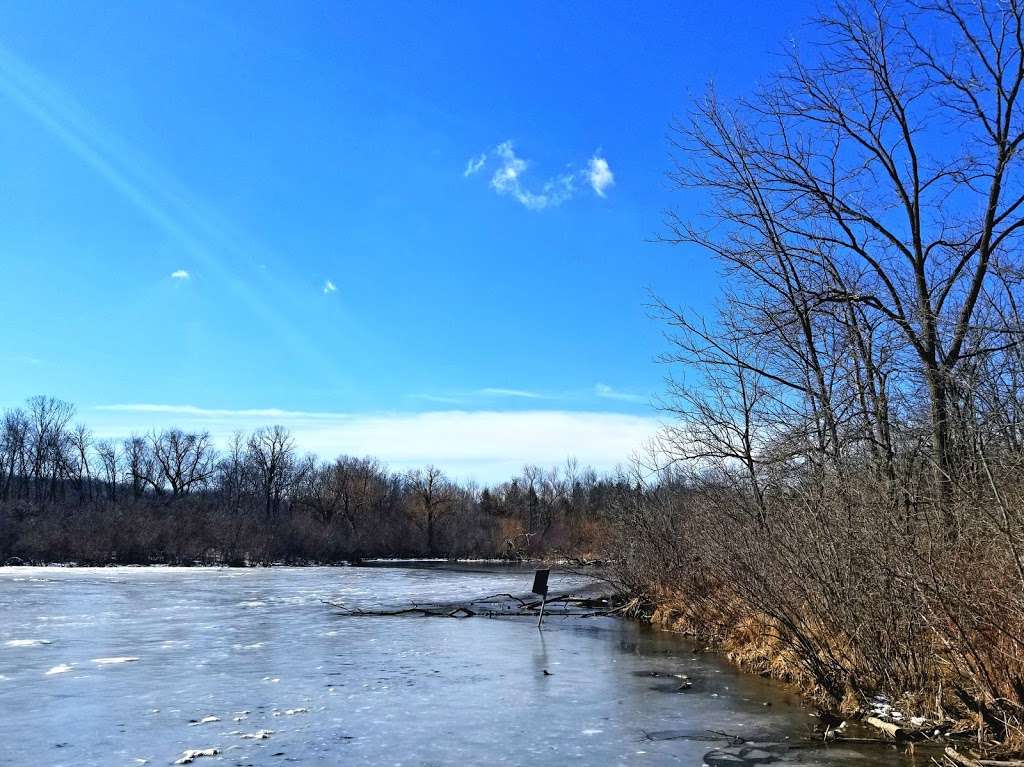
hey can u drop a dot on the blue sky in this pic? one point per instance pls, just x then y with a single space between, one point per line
226 214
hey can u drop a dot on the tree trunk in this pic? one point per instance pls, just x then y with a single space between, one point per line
941 461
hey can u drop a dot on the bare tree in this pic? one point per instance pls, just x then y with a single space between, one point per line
47 441
839 191
138 465
14 447
80 439
106 451
431 501
234 476
184 461
271 454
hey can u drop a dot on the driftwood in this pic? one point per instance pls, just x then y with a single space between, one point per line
895 731
961 760
864 741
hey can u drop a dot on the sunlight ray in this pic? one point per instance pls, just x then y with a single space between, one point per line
158 197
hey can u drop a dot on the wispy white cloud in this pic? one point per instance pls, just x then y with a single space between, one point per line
22 359
475 164
444 399
329 287
508 180
599 175
521 393
604 391
201 412
487 445
479 396
180 274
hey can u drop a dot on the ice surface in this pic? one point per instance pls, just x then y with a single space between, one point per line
396 691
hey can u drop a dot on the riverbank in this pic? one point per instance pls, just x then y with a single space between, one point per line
755 645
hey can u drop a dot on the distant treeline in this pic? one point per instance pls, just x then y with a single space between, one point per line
172 496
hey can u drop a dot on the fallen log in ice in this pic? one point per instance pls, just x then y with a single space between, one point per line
497 606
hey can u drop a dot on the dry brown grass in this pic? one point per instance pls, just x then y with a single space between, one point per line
842 603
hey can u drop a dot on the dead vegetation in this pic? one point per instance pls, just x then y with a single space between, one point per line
841 500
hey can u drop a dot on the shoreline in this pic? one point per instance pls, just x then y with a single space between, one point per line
376 562
355 562
891 719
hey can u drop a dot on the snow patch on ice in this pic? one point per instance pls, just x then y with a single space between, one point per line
592 732
205 720
258 735
190 755
63 668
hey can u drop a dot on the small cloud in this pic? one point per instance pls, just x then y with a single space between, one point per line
180 274
507 181
508 178
329 287
474 165
604 391
600 175
522 393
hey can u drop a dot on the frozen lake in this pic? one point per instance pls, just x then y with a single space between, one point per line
131 666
